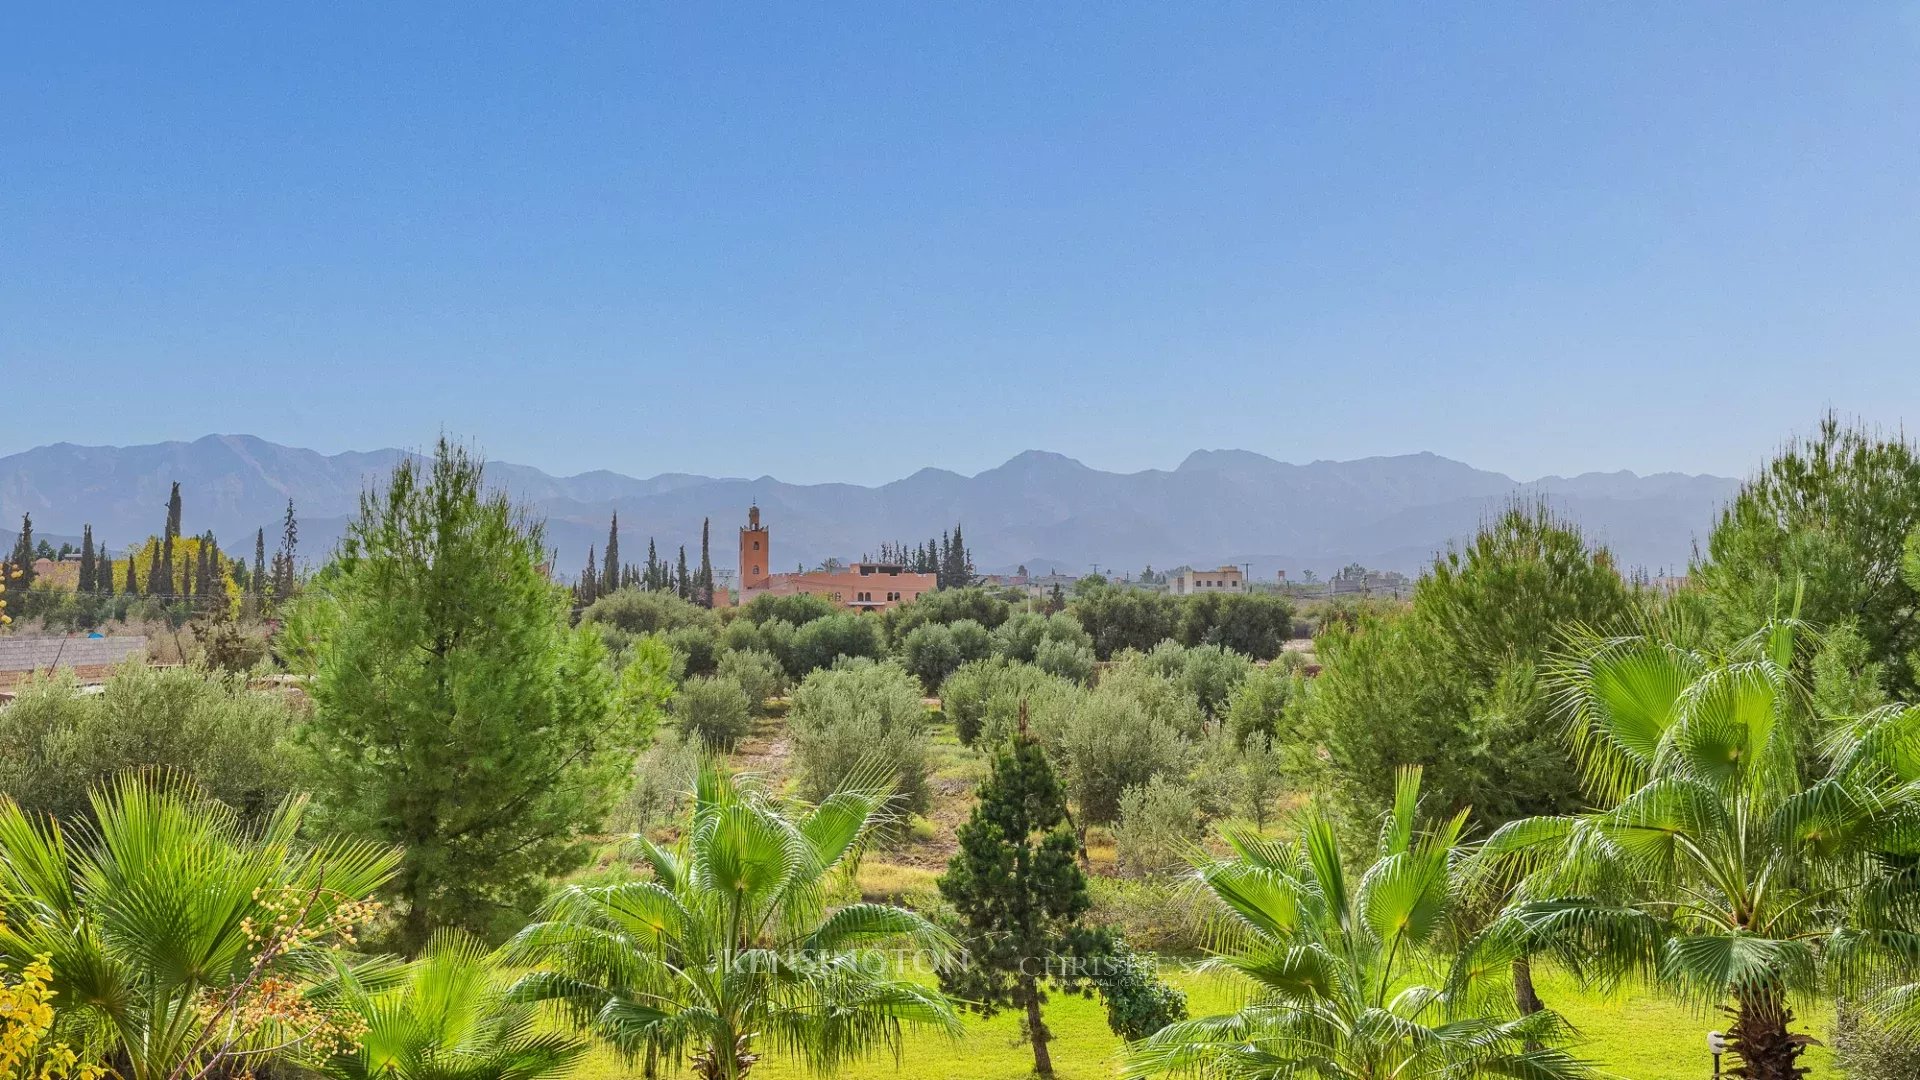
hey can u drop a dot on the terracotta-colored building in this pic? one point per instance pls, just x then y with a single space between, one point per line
863 586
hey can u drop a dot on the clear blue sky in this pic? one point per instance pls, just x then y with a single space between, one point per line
651 236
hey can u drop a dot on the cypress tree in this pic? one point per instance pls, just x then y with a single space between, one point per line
586 592
160 582
133 577
610 576
956 566
22 557
653 566
86 559
173 511
706 566
681 585
1017 887
283 559
103 571
257 582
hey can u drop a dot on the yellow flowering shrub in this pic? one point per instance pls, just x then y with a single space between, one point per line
26 1017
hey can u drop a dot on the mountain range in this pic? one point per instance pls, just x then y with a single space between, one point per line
1042 510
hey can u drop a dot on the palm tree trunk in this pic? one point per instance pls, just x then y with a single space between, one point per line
1524 997
1760 1040
1037 1028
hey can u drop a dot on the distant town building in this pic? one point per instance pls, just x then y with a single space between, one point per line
863 586
1227 579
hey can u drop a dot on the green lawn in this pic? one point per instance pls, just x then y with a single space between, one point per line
1633 1034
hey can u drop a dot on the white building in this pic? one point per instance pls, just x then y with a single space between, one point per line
1227 579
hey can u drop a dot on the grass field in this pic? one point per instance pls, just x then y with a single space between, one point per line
1633 1034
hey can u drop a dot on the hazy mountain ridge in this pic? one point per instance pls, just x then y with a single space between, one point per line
1216 506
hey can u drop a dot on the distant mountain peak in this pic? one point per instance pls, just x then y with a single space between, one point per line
1201 460
1029 461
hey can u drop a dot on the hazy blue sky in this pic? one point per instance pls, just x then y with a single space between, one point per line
844 242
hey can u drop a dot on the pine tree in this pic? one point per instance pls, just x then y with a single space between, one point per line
22 557
1017 888
499 695
610 577
705 584
86 559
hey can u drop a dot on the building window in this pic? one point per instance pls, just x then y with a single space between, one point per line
756 570
756 545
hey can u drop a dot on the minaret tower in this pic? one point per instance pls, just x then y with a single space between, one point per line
756 554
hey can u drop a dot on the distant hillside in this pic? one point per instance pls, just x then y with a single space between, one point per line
1041 509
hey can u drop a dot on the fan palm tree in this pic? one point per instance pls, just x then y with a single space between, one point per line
732 942
448 1017
183 944
1752 852
1333 967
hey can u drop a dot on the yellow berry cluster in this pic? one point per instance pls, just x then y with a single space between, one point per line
26 1018
7 573
292 919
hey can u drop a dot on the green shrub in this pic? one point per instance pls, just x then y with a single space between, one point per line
795 610
643 611
1138 1001
1150 913
821 642
713 710
57 743
1109 739
663 783
645 685
1261 703
1020 637
697 647
930 654
860 716
1066 660
757 672
983 698
1159 822
1209 673
1255 624
945 607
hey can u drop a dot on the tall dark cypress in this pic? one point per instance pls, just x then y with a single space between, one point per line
653 566
86 559
706 565
23 556
680 582
103 571
257 582
586 592
133 577
160 580
283 559
610 573
173 511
